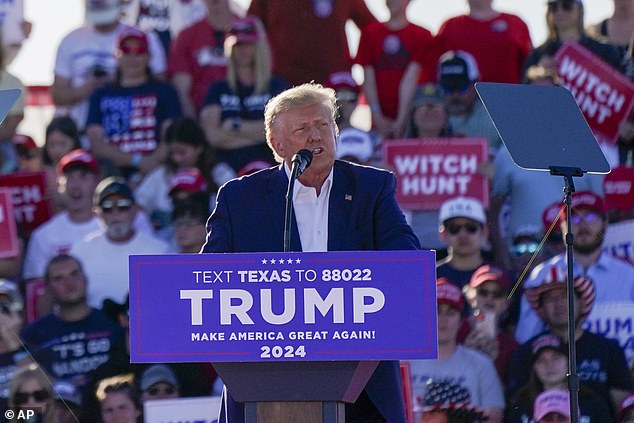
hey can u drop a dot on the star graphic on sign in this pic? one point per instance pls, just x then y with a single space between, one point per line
281 261
298 261
264 261
289 261
272 261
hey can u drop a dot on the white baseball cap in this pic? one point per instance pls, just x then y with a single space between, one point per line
467 207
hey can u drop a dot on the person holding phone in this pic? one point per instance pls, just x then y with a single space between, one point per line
486 328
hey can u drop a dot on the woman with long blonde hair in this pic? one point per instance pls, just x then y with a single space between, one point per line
233 111
31 389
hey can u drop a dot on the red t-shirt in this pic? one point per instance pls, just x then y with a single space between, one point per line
308 37
500 45
389 52
199 52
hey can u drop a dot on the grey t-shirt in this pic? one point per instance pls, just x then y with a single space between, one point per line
467 368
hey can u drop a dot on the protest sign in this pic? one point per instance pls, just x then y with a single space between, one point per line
28 195
619 240
430 171
614 320
604 96
262 307
180 410
9 243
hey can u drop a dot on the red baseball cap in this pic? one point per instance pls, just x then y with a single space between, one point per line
549 215
133 40
617 186
342 80
587 200
244 30
188 180
78 158
448 293
489 273
24 142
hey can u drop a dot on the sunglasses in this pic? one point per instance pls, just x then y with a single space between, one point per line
23 397
489 293
168 390
525 248
588 217
133 47
122 205
454 228
554 6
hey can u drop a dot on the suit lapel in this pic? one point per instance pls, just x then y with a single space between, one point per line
340 207
275 202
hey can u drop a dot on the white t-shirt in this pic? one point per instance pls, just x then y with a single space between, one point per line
467 368
152 194
106 263
52 238
84 48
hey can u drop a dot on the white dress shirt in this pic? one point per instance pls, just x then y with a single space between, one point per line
311 213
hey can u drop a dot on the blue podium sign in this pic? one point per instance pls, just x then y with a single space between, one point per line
359 305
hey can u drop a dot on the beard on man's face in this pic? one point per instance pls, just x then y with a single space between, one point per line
591 245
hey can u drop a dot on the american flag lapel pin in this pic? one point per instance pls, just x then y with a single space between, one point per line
348 197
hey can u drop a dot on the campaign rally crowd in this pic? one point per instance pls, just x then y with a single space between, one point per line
159 103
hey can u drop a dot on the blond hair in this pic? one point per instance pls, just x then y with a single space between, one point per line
261 61
33 371
302 95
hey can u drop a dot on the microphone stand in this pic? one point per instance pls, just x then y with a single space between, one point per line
573 377
288 214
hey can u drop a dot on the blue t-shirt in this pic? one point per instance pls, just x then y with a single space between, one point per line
245 105
132 116
71 350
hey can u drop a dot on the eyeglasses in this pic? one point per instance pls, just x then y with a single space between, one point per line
554 6
122 205
155 390
588 217
23 397
454 228
490 293
525 248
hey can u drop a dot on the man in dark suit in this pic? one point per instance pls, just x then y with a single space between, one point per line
338 206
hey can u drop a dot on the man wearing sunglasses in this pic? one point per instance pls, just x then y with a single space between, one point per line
613 278
463 227
104 255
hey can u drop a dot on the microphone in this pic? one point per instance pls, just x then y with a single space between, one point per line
301 160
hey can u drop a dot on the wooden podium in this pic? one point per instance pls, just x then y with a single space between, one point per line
296 391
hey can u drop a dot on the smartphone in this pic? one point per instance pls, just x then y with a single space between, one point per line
486 323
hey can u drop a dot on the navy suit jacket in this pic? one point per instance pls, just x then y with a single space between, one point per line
362 215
